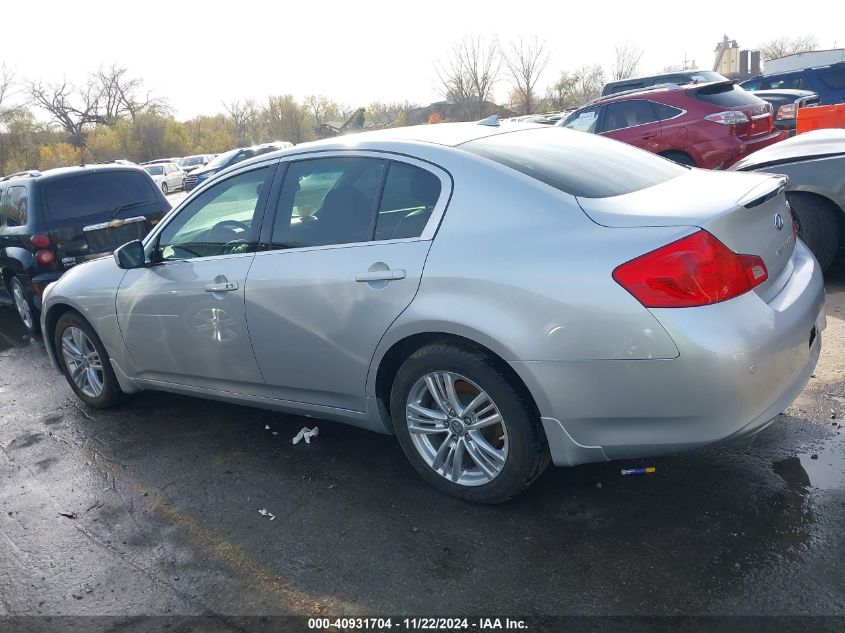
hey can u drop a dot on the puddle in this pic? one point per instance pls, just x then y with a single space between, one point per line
825 472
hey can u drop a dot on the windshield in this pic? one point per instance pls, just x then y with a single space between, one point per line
576 163
190 161
154 170
223 160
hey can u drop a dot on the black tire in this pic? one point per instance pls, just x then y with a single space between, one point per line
17 290
817 225
111 394
527 454
164 188
680 158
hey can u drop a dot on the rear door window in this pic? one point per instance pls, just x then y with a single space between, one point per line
625 114
15 206
665 112
97 193
327 201
577 164
407 201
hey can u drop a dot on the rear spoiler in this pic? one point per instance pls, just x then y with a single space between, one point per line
763 192
709 88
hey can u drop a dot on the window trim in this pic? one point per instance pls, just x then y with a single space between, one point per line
681 112
151 240
428 232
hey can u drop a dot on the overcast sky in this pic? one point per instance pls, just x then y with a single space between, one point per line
199 53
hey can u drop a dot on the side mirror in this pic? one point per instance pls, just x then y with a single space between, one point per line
130 255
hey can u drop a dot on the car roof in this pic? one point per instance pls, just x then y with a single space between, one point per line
444 134
60 172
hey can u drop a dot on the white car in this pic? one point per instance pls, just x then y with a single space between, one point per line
168 176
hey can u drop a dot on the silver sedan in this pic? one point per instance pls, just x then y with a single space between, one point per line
498 297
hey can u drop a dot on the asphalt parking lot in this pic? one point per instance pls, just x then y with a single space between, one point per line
153 508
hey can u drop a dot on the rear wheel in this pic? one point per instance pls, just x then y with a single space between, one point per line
164 188
817 225
85 362
23 304
463 425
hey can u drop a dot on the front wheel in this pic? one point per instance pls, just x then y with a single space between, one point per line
463 425
85 362
23 304
164 188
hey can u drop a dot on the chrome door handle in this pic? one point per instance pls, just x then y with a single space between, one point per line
381 275
223 287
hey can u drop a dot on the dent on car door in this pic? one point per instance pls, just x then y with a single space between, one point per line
347 249
182 317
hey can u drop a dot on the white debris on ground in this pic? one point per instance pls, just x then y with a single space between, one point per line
263 512
306 434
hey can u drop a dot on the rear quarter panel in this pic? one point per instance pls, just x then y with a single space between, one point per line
518 267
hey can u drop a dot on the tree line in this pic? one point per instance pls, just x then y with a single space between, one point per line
112 115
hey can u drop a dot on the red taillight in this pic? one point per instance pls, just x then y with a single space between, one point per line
694 271
45 257
40 240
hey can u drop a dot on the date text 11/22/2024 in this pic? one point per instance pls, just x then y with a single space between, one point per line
418 624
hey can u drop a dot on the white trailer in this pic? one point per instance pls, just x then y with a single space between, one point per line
800 61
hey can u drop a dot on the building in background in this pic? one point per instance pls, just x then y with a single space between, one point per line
736 63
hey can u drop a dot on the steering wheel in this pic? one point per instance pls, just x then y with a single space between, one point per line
231 225
232 228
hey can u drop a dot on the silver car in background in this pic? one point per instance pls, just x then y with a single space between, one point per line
496 296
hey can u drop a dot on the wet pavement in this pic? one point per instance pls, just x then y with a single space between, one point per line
153 508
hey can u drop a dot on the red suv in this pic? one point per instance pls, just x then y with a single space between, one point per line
709 125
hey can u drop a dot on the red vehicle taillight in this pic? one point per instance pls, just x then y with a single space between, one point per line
729 117
45 257
40 240
694 271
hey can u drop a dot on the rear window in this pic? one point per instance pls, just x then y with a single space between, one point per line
576 163
97 193
725 96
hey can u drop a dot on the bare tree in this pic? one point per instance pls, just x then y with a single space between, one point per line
384 115
787 46
469 73
526 60
107 97
285 119
245 116
8 90
627 61
573 89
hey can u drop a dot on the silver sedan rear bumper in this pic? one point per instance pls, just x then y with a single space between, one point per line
741 363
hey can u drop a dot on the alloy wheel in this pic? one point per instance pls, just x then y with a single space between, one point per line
457 428
22 305
82 361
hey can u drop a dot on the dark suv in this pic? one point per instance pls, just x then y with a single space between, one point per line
53 220
680 78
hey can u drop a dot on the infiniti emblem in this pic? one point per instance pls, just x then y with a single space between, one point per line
778 222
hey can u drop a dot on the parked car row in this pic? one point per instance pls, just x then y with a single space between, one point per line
227 159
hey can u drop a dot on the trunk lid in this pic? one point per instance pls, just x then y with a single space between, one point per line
739 209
